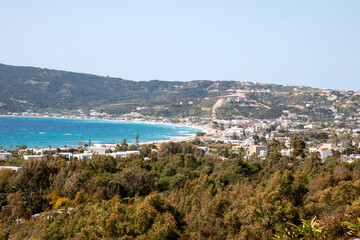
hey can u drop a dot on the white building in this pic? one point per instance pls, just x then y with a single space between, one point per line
230 141
105 145
68 155
325 153
206 149
5 155
32 157
12 168
249 142
124 154
99 150
85 156
42 150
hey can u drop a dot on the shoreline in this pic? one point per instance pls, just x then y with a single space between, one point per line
203 128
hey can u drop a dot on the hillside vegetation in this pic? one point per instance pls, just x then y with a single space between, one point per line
40 90
180 193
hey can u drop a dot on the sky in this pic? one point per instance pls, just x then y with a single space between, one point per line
298 42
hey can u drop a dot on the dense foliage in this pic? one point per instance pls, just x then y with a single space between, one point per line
180 193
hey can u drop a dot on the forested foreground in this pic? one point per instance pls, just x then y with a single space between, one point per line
180 193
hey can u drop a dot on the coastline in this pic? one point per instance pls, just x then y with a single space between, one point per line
203 128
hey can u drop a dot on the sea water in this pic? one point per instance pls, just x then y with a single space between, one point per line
45 132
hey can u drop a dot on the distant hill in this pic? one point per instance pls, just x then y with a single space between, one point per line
38 89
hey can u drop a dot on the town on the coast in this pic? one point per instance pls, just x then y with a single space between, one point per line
336 135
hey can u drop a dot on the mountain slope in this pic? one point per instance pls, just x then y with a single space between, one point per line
37 89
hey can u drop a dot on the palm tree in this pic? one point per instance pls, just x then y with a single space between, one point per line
353 228
309 230
137 138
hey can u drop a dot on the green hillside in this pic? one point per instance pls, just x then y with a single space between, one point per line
40 90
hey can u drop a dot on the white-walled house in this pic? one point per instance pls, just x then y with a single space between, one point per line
105 145
325 153
32 157
85 156
99 150
12 168
249 142
230 141
124 154
68 155
5 155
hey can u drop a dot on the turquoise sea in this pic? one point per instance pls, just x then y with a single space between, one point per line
42 132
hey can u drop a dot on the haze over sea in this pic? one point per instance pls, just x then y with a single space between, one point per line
42 132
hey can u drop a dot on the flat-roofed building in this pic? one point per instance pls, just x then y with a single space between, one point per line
85 156
124 154
5 155
32 157
255 149
12 168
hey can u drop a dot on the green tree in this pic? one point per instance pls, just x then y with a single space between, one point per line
298 146
334 139
353 228
200 134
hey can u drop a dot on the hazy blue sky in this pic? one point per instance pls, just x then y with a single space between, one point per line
304 42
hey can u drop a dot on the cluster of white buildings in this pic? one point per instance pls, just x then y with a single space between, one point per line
100 149
86 155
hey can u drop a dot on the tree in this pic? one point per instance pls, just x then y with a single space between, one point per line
33 180
137 138
80 143
145 150
16 208
348 139
123 146
334 139
353 228
315 159
136 180
298 146
22 146
234 137
308 230
200 134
